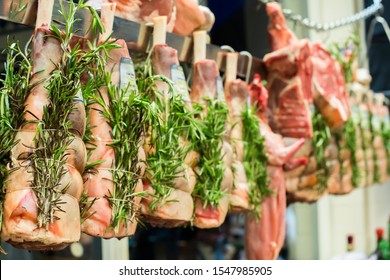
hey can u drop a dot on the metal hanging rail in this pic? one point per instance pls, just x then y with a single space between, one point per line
374 9
136 35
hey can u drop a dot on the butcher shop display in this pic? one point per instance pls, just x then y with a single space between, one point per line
102 138
41 204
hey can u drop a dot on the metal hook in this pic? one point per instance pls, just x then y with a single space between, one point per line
385 26
249 65
371 29
227 48
248 71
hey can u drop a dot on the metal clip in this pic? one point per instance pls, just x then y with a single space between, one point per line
249 65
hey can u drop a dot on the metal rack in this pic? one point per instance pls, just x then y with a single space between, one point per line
136 35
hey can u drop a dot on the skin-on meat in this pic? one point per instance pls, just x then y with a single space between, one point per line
142 10
205 86
236 97
180 210
20 223
100 185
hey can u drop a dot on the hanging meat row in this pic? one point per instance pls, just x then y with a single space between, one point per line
92 143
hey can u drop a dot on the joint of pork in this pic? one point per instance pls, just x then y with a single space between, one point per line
173 211
20 221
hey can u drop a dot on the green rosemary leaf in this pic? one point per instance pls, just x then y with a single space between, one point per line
350 132
54 131
374 133
169 119
255 160
321 139
13 93
385 134
209 146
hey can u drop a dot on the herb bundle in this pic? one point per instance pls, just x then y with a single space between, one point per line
255 160
350 131
15 84
169 119
321 139
54 131
128 114
211 165
348 136
385 133
374 133
363 126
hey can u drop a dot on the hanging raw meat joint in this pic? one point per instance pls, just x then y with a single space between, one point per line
116 121
236 94
382 119
214 175
13 94
264 232
190 17
170 178
183 16
41 207
300 75
303 72
142 11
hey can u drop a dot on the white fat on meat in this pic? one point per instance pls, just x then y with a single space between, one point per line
100 185
179 211
204 87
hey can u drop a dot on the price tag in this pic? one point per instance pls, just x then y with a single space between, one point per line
220 91
127 75
177 76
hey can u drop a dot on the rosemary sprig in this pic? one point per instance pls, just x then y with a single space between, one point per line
321 139
255 160
54 130
374 133
385 134
16 9
211 165
169 119
127 115
338 136
15 84
362 125
350 132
